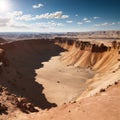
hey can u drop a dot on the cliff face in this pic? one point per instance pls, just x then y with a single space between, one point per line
103 59
96 56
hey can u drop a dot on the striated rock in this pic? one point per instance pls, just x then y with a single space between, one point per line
101 48
114 44
85 45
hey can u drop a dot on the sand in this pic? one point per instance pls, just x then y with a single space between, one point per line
62 83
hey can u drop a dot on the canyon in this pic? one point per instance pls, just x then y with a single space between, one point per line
70 77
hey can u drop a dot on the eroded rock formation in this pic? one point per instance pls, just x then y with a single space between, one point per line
86 45
89 54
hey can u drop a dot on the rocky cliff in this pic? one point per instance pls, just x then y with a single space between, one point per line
95 55
100 56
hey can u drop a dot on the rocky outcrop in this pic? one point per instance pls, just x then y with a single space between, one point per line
9 101
25 105
97 48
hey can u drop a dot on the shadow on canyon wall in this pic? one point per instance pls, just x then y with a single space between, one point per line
24 58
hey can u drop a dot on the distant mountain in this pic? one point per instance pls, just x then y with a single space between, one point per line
96 34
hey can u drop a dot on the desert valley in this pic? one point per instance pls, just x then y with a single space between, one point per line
70 76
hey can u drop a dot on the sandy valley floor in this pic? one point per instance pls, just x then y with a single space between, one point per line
62 83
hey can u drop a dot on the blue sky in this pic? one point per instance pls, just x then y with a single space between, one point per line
59 15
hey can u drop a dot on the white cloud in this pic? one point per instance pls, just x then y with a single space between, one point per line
36 25
15 14
79 23
37 6
69 21
85 19
55 15
88 21
102 24
16 19
76 15
96 17
29 17
49 24
8 18
19 25
54 24
105 24
97 25
64 16
25 17
113 23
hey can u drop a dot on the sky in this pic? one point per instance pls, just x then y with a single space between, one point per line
59 15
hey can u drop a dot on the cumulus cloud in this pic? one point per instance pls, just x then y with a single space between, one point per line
85 19
25 17
15 14
55 15
37 6
79 23
18 15
96 17
16 21
69 21
64 16
7 19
